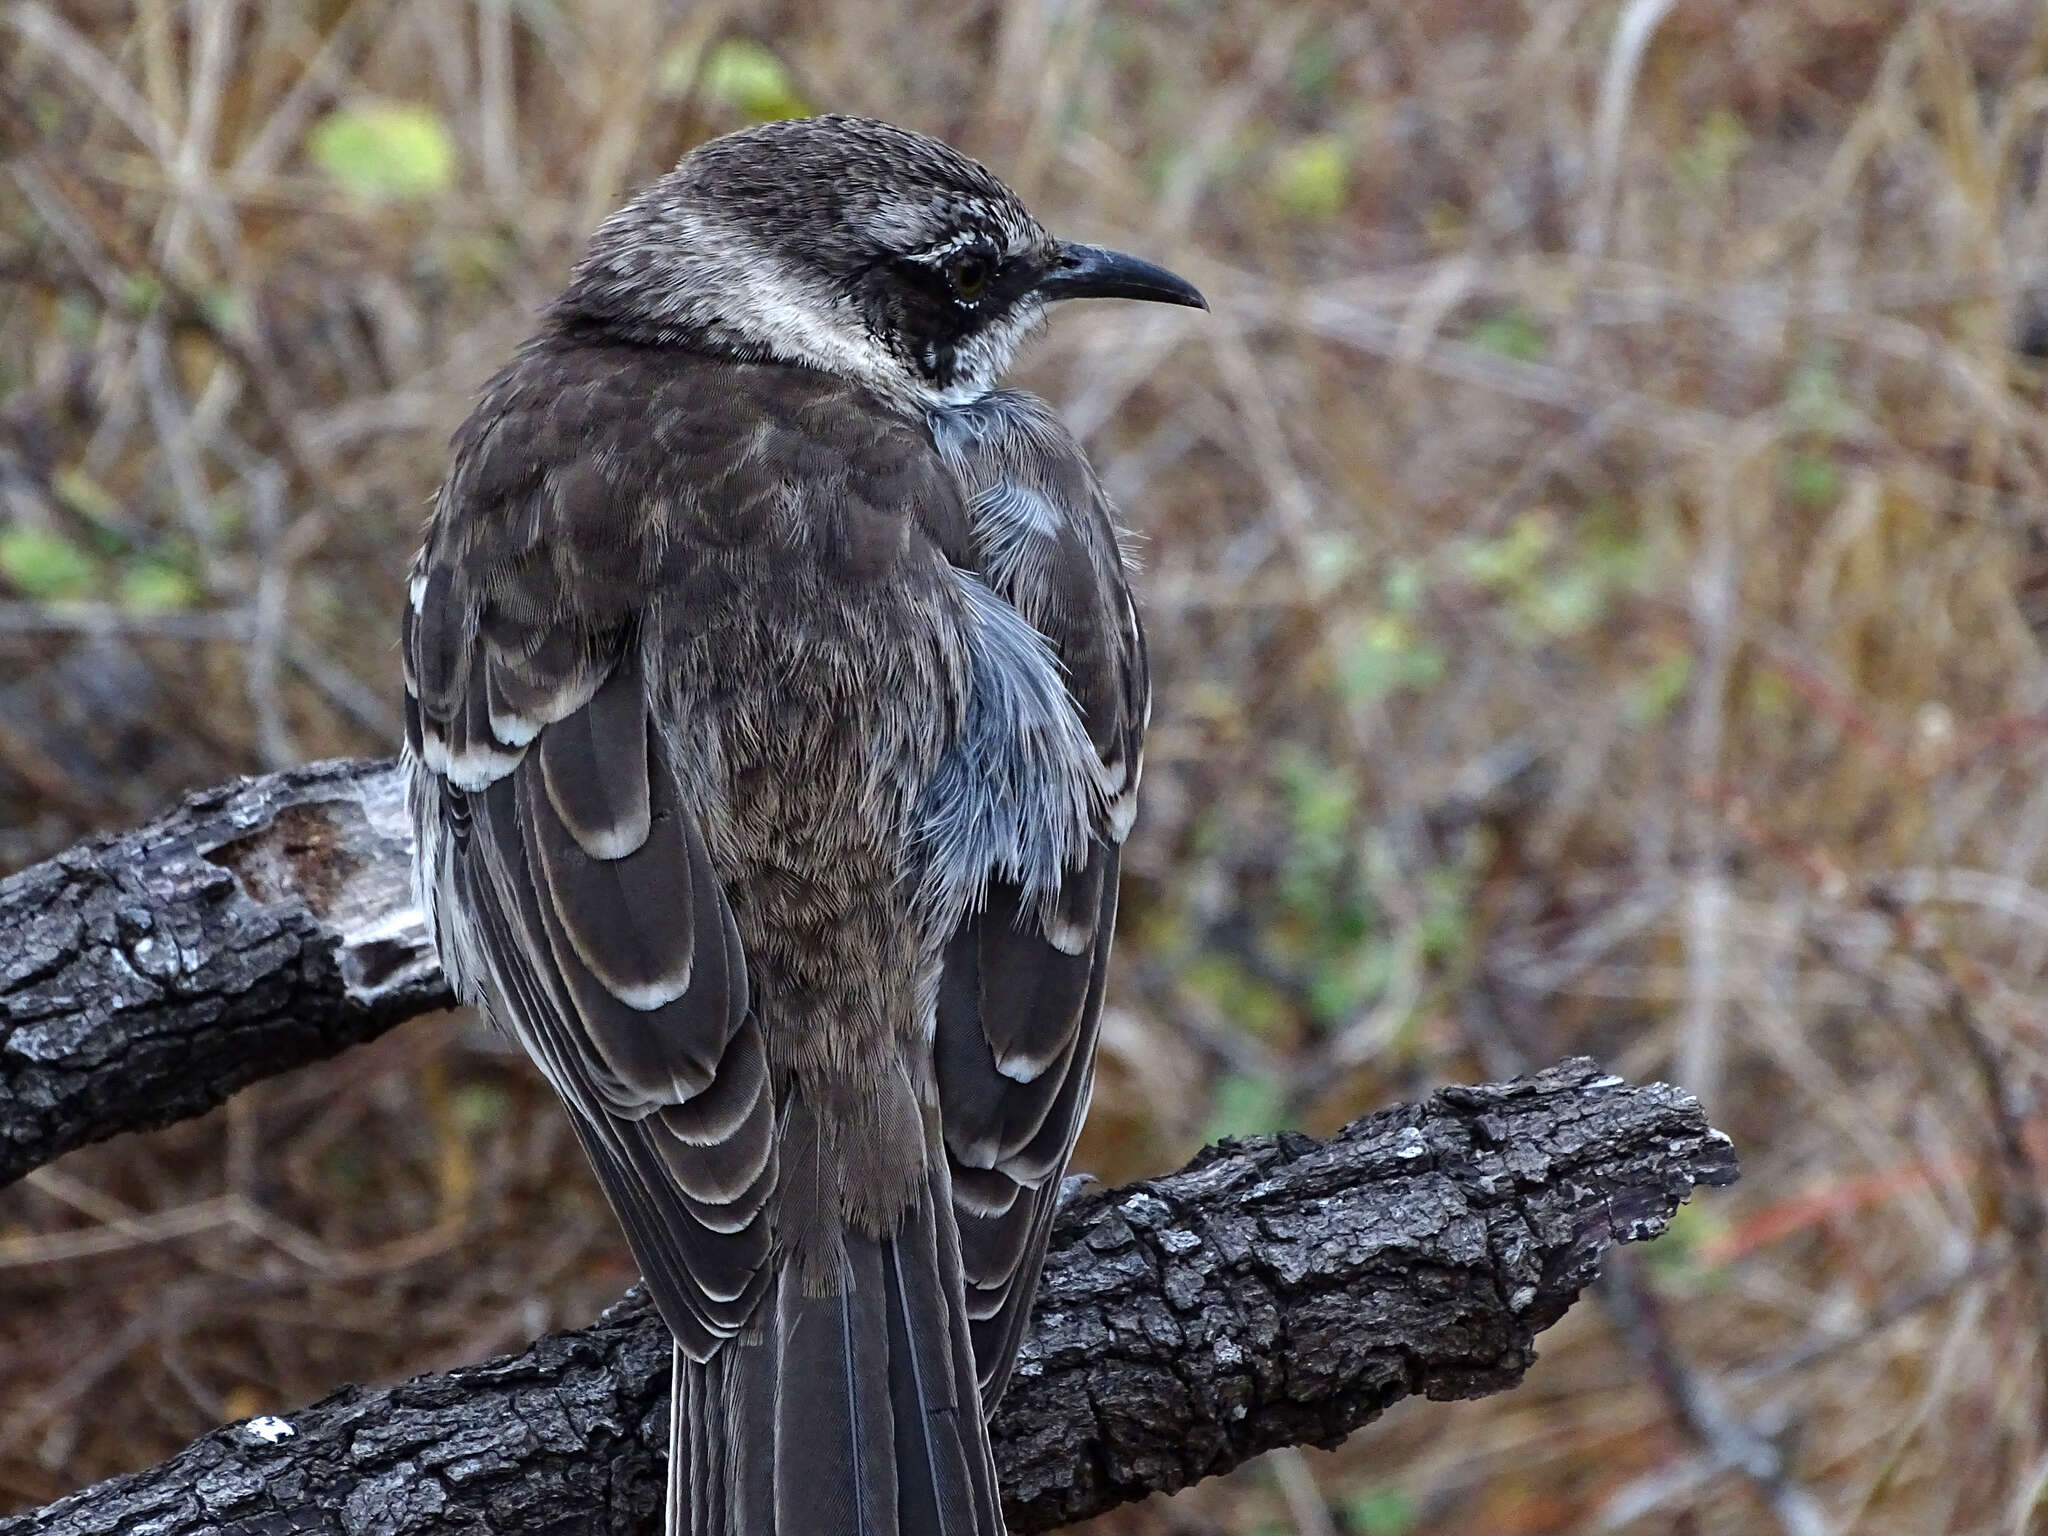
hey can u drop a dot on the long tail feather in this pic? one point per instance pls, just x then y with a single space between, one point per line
849 1414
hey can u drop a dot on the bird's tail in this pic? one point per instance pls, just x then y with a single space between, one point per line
854 1413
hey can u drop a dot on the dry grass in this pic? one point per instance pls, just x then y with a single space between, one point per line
1592 550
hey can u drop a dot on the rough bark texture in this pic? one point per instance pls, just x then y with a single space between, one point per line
1275 1291
146 977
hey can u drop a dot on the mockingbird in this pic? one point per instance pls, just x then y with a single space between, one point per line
774 705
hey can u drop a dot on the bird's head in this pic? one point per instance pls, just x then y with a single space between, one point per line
847 245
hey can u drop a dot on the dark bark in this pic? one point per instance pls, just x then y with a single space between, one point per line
1276 1291
146 977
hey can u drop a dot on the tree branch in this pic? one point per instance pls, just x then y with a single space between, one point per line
146 977
1275 1291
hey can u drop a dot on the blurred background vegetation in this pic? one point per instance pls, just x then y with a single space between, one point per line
1595 549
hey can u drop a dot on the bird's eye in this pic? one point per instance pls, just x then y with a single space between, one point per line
968 273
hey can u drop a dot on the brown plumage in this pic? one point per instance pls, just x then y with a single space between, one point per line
776 700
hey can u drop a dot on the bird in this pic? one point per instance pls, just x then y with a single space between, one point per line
775 704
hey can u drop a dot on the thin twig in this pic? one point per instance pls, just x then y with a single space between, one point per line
102 619
1306 1506
1639 22
1700 1404
272 628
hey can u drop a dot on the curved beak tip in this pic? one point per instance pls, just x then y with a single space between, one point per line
1096 272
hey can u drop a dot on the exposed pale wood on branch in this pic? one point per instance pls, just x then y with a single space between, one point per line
145 977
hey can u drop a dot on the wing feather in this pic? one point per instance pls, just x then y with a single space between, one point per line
578 895
594 764
1019 1134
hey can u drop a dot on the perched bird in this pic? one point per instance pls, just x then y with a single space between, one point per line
774 705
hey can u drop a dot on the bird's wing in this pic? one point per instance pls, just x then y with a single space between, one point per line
1021 992
1015 1055
568 880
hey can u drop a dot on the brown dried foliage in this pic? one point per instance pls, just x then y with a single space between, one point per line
1592 549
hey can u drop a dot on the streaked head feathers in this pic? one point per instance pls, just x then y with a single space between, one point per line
847 245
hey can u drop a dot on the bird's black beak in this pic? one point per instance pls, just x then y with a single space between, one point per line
1093 272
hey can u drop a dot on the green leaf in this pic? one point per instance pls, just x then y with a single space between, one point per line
78 319
1814 400
1317 69
154 587
85 495
1651 701
743 75
1330 557
1244 1105
1510 334
227 307
1404 585
480 1107
1340 988
1322 797
44 565
1813 479
1380 1512
1568 602
140 294
382 151
1770 696
1719 143
1385 655
1511 560
1679 1259
1447 918
1250 1004
1313 176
